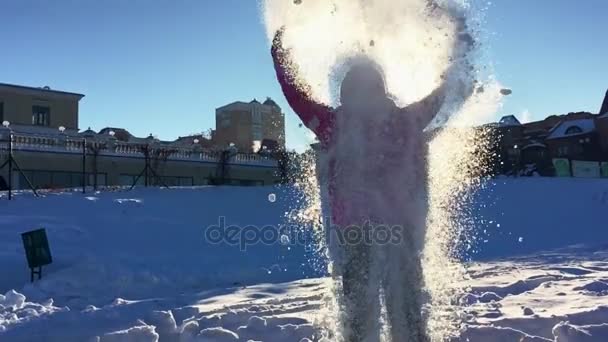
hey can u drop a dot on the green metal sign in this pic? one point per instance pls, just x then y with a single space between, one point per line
562 167
37 250
604 169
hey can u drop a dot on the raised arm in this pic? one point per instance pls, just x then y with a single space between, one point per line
316 116
455 83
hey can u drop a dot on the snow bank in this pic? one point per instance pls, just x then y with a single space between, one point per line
527 215
566 332
143 333
146 243
292 311
498 334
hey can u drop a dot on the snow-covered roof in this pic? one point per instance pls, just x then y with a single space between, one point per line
509 120
572 128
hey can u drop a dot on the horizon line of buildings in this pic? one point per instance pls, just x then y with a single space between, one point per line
248 126
559 145
53 152
47 139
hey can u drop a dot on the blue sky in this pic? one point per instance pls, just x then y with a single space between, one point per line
162 67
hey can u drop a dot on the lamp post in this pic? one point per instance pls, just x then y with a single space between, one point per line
111 144
6 125
84 165
62 137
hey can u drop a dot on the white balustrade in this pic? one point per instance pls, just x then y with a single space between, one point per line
74 144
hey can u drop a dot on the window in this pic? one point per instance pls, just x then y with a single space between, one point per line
256 132
224 120
574 130
256 124
256 116
41 116
513 152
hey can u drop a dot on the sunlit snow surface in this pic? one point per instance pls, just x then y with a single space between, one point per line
134 266
531 297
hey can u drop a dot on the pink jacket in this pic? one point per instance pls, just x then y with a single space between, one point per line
321 119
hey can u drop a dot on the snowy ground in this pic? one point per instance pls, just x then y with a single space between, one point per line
562 296
556 296
143 271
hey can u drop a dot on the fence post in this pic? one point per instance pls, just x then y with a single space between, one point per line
84 165
10 165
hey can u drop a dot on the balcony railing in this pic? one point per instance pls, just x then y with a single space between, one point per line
109 146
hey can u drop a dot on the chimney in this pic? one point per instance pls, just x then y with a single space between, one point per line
604 109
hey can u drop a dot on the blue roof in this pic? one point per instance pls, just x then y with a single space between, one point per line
572 128
509 120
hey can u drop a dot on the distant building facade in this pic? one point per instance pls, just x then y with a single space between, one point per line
250 126
532 147
53 153
39 109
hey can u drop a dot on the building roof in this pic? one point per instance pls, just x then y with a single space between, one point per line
45 89
604 109
240 105
88 132
572 128
509 120
119 133
270 102
237 105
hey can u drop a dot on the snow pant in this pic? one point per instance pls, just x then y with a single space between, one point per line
404 292
360 300
397 268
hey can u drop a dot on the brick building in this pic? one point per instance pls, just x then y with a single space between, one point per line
531 147
250 125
